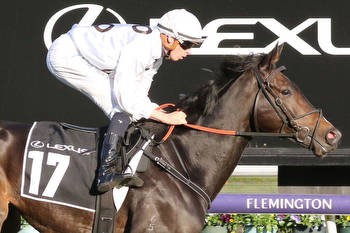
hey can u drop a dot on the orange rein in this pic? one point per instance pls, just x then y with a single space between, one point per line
197 127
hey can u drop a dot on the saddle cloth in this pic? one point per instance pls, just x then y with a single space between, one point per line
60 164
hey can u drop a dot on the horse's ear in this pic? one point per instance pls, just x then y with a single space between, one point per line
271 58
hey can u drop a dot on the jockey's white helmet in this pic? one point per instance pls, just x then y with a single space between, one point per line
182 25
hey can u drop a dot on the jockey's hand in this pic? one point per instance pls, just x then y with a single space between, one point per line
173 118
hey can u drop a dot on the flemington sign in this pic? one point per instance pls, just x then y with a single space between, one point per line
262 202
281 203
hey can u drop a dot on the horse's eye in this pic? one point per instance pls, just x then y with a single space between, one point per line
286 92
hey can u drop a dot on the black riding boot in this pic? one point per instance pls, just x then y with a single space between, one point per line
110 173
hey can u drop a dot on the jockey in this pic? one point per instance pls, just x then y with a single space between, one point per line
114 65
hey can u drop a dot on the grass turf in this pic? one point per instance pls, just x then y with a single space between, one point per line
251 184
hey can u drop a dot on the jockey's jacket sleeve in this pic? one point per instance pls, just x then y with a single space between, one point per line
137 65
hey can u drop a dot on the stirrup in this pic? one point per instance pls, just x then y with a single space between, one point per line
132 181
112 180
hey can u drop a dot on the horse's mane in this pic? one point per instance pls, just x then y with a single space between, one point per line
203 101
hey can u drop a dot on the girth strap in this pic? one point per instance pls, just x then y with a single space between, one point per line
179 158
170 169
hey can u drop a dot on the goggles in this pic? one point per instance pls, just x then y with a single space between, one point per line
187 45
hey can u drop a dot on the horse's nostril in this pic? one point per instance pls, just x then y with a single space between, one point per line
332 137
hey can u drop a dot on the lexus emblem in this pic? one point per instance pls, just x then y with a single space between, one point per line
37 144
93 11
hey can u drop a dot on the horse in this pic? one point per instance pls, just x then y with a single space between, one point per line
250 95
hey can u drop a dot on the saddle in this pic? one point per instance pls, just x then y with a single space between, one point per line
131 143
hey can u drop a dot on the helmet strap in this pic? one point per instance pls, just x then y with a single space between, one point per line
166 44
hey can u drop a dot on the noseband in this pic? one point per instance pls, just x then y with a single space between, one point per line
287 118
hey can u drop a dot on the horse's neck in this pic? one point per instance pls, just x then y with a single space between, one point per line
211 157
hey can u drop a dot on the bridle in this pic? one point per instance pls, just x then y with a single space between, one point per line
286 116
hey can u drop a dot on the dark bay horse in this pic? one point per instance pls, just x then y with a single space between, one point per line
250 95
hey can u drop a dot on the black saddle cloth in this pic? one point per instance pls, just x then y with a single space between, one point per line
61 160
59 165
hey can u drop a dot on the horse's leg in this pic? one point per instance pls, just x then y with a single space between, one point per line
162 219
3 211
157 211
121 219
13 222
10 220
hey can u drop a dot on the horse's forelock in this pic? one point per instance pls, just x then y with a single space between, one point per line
239 64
